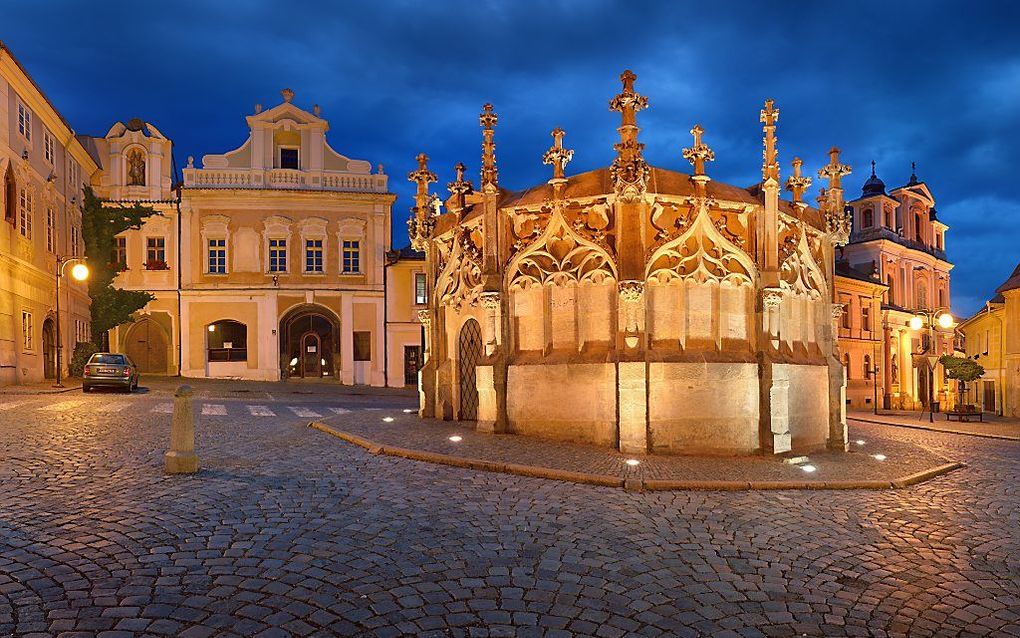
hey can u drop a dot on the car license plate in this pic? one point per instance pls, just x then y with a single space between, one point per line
107 371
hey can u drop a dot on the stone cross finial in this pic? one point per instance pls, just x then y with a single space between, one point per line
770 155
699 153
488 120
460 187
422 176
287 94
798 183
913 174
420 227
557 156
834 171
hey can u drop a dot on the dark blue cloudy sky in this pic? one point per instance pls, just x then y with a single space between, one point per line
933 82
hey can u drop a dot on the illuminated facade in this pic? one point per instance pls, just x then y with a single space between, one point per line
618 306
992 337
279 271
43 167
898 237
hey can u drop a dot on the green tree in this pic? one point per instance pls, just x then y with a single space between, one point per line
101 221
963 369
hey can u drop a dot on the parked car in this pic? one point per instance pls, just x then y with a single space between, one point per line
108 370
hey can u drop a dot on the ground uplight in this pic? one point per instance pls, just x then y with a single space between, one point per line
633 462
808 468
388 419
878 457
455 438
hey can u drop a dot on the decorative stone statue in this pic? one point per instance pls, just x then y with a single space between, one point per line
136 168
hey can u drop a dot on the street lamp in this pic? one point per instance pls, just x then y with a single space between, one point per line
930 319
79 272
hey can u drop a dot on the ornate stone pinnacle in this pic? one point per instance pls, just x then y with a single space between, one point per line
629 171
628 101
287 94
770 153
488 119
834 171
558 156
422 175
699 153
798 183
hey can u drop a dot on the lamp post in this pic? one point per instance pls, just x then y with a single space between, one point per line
80 272
874 380
929 319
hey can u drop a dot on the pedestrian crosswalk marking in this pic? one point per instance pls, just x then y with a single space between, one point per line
214 409
111 407
304 412
339 410
260 410
164 408
61 406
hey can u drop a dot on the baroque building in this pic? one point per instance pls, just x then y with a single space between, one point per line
273 261
43 167
992 338
860 334
898 239
616 306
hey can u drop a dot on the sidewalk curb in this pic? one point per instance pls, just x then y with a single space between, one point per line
919 426
629 484
9 391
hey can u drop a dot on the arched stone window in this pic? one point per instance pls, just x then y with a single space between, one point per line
10 195
919 227
867 218
227 340
135 167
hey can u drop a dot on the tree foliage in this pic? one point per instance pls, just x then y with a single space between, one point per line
961 368
101 222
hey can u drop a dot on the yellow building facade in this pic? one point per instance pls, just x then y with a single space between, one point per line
271 263
859 327
992 338
43 167
406 300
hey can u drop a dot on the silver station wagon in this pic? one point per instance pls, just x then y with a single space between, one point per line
106 370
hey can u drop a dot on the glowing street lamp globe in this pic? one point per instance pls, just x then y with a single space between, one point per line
945 320
916 323
80 272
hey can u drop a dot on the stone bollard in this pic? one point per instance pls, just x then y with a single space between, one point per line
181 458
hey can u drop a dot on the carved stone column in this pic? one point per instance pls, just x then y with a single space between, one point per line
493 321
631 312
491 375
771 299
838 436
427 373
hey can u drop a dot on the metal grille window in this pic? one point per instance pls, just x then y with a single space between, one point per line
25 205
218 256
469 352
277 255
51 223
351 256
420 289
313 255
27 330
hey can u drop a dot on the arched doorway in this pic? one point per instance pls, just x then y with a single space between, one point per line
49 350
469 352
146 345
309 343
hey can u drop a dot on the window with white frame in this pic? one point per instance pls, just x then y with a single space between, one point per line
25 206
420 289
74 176
313 255
51 230
277 255
351 257
75 239
27 330
49 150
25 122
217 256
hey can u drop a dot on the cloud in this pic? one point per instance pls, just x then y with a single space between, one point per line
933 82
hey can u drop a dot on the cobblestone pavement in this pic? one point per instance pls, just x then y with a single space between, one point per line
290 532
992 424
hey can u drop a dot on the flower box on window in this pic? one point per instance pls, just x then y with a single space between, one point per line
156 264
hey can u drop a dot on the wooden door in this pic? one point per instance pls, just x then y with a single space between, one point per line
49 351
146 346
311 355
989 396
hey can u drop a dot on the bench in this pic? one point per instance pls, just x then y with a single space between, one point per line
964 413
